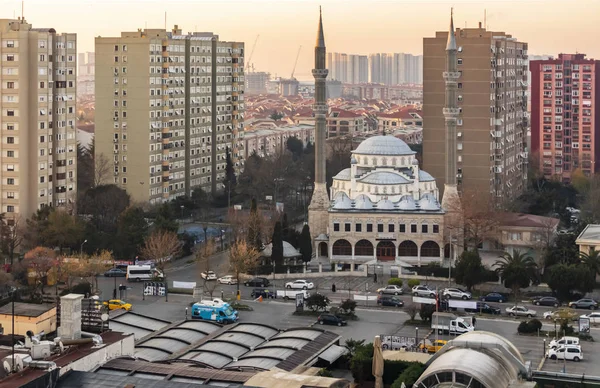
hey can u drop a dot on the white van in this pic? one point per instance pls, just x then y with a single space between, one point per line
140 273
563 341
569 352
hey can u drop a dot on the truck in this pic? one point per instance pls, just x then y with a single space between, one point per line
291 294
450 323
211 311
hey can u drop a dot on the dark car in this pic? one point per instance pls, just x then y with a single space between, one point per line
386 300
115 273
585 303
264 292
257 282
484 308
546 301
330 319
493 297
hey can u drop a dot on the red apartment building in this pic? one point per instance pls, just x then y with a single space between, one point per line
565 112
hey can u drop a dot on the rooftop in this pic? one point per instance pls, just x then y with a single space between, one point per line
590 233
527 220
27 309
383 145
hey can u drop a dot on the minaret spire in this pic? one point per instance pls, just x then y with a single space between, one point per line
318 216
451 44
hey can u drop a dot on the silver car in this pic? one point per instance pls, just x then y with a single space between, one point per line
520 311
423 291
456 293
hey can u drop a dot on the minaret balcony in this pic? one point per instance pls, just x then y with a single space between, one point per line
320 73
451 75
320 108
452 112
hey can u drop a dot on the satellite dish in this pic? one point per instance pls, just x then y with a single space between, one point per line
19 364
61 346
104 317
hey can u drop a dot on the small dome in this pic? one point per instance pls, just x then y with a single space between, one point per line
385 204
363 202
428 202
407 203
353 160
343 175
415 162
342 201
425 176
383 145
288 250
384 178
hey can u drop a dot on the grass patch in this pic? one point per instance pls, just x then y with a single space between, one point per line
241 307
187 291
417 322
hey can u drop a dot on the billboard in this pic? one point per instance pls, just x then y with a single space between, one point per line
396 342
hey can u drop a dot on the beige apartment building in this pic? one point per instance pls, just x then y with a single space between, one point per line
168 107
492 121
39 146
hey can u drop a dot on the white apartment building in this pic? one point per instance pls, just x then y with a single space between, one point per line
265 142
39 146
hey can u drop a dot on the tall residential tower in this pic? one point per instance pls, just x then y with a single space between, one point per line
317 210
39 145
168 107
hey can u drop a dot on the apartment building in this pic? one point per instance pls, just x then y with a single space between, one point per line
85 74
342 122
491 97
270 141
406 116
396 68
39 146
256 82
168 107
564 111
348 68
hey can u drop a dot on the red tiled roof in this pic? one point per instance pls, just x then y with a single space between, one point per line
527 220
403 113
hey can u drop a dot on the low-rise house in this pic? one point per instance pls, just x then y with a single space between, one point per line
589 239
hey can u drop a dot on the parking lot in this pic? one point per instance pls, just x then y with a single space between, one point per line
589 366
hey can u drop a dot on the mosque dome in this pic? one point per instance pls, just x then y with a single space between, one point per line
383 145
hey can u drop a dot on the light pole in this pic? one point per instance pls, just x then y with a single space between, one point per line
182 207
222 238
81 248
416 338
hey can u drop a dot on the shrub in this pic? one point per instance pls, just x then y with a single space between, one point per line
426 312
413 282
411 309
409 376
324 373
317 302
395 282
531 326
80 288
348 306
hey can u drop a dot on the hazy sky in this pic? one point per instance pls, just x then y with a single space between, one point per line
352 26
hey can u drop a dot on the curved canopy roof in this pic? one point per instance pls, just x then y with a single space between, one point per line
384 178
343 175
383 145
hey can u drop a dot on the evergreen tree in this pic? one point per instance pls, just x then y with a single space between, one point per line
132 230
254 227
285 227
305 244
165 220
253 208
277 241
230 178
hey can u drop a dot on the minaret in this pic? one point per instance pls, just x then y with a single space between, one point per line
451 113
319 205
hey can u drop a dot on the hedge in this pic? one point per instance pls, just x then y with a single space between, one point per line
395 282
413 282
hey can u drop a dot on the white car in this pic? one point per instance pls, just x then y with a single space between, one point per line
300 285
227 279
456 293
569 352
210 275
568 341
594 317
520 311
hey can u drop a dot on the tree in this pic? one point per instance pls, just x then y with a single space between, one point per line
295 146
276 115
410 375
230 178
317 302
37 262
243 258
104 204
516 271
12 236
95 265
591 260
411 309
305 244
165 220
563 279
160 247
85 169
474 219
202 256
62 230
469 269
132 230
6 282
102 170
277 241
348 306
254 237
285 228
35 227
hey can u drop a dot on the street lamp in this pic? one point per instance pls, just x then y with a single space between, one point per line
182 207
222 237
81 248
417 338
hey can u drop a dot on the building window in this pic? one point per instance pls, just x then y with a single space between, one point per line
424 228
10 181
358 227
10 209
460 85
10 154
336 227
380 228
347 227
402 228
391 228
459 61
413 228
10 194
369 228
10 140
436 228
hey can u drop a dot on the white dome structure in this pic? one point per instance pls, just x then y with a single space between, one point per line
288 251
342 201
362 202
383 145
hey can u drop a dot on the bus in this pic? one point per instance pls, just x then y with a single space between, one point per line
143 273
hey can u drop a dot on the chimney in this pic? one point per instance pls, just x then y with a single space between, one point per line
70 316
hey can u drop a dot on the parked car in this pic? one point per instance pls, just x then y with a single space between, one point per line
493 297
117 304
456 293
330 319
257 282
115 273
432 347
227 279
569 352
564 341
520 311
391 289
563 313
546 301
300 284
484 308
387 300
594 317
264 292
423 291
584 303
210 275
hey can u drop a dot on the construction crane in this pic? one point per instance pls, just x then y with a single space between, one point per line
251 53
296 62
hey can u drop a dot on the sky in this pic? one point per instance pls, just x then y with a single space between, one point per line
350 26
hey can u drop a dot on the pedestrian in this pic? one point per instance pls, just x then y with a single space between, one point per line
333 287
474 321
375 278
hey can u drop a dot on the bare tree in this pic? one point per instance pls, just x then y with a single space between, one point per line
543 240
203 254
95 265
243 258
37 263
161 247
101 170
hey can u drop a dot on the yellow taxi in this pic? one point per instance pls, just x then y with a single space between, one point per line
432 347
117 304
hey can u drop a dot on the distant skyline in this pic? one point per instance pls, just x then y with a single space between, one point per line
351 26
